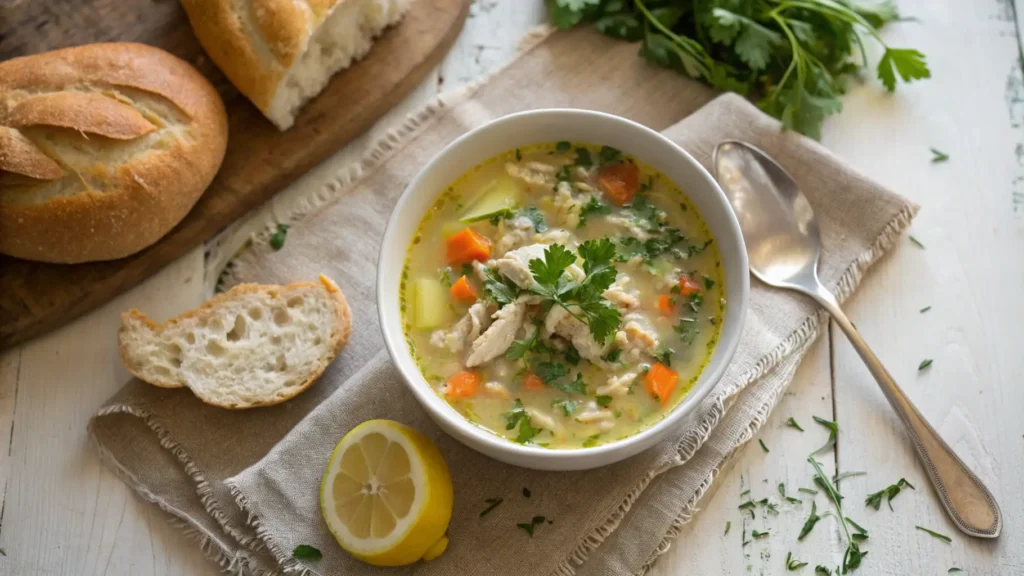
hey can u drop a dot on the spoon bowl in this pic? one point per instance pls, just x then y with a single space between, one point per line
783 246
780 230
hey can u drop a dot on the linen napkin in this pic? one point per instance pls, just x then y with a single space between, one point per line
246 484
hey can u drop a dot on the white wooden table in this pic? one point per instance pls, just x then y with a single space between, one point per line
63 513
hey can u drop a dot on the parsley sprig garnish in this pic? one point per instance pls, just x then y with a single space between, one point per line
583 300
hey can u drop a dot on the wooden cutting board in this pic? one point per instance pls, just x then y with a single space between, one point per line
260 160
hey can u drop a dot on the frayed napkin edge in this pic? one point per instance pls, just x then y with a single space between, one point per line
209 543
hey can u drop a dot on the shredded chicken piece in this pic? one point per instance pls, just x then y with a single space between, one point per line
560 322
466 330
480 269
499 335
516 264
539 419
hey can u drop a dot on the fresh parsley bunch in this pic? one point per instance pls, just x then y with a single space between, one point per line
790 56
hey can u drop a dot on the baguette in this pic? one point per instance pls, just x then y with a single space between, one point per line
103 149
281 53
255 345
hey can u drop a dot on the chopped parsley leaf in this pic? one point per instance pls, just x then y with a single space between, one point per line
492 503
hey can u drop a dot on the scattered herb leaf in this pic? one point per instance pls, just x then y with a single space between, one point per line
593 206
307 552
603 400
938 156
924 364
492 503
792 564
757 534
916 242
534 214
925 309
810 522
792 424
518 416
728 525
845 475
833 432
763 447
875 500
942 537
277 238
607 154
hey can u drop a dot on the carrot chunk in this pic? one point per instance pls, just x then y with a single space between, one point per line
462 385
665 304
660 381
533 382
619 181
688 286
463 291
467 246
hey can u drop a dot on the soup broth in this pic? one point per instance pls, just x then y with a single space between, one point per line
562 295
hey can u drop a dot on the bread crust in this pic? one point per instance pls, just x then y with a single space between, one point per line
255 49
19 155
339 333
133 162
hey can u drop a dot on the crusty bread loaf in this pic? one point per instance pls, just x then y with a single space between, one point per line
103 149
252 346
281 53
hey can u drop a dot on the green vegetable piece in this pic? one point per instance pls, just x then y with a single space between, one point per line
430 303
498 199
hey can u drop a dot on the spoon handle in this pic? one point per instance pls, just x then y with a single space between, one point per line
966 499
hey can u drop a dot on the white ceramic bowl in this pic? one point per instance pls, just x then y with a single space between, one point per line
523 129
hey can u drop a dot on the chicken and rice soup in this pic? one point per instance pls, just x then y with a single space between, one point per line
562 295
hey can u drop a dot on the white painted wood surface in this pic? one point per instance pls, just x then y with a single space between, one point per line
63 513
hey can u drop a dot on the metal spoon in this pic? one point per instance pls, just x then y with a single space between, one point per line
784 244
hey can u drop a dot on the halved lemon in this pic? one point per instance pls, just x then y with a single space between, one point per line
387 495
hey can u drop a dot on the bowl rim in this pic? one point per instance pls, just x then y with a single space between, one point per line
708 379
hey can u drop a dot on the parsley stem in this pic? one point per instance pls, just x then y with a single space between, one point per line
695 49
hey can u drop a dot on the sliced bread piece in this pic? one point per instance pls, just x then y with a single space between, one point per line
255 345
